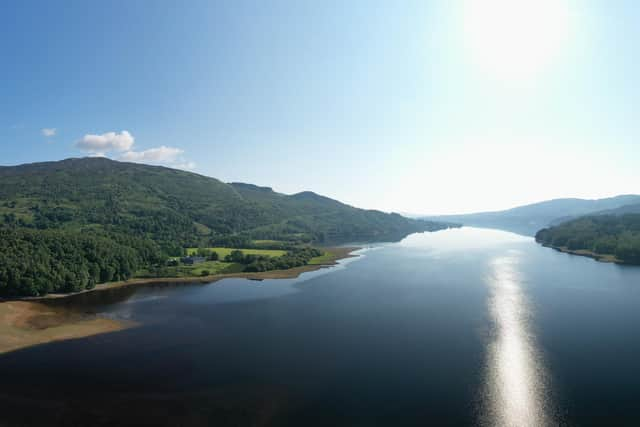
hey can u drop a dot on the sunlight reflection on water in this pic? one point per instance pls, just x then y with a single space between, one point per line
516 386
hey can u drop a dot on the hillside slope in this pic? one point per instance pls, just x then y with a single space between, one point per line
623 210
177 208
69 225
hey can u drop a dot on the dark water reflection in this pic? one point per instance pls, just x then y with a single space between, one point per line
460 327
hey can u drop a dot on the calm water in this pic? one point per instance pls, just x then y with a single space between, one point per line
459 327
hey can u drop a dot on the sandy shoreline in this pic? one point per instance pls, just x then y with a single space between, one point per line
23 324
29 321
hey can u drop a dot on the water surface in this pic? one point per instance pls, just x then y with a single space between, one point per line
458 327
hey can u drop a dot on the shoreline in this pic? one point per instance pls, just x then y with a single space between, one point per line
611 259
29 321
292 273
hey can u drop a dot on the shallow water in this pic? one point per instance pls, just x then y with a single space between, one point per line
458 327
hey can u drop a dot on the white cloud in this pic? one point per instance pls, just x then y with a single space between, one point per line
110 141
162 154
48 132
122 143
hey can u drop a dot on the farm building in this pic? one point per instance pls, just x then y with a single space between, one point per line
190 260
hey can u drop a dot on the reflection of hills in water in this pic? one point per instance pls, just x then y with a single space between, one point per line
94 300
381 238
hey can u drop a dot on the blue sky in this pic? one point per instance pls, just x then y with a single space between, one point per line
412 106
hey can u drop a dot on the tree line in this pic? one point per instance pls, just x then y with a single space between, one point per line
257 263
37 262
602 235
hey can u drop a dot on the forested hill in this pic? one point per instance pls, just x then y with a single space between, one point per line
68 225
614 237
177 208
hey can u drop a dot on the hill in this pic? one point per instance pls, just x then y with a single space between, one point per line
528 219
623 210
177 207
71 224
608 237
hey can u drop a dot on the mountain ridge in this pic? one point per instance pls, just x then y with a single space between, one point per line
170 204
66 226
528 219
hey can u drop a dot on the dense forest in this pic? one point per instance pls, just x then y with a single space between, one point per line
70 224
615 235
37 262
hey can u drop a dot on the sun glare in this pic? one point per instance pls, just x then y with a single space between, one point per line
515 39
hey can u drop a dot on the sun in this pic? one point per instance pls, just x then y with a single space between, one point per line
515 39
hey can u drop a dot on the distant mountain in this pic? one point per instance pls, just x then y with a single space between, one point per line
528 219
623 210
177 208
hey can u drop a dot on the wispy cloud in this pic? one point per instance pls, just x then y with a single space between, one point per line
162 154
49 132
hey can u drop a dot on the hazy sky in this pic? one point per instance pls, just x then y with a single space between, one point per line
412 106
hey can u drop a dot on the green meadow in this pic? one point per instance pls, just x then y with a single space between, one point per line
325 258
206 268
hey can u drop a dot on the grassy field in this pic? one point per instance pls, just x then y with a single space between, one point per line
211 267
325 258
223 252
